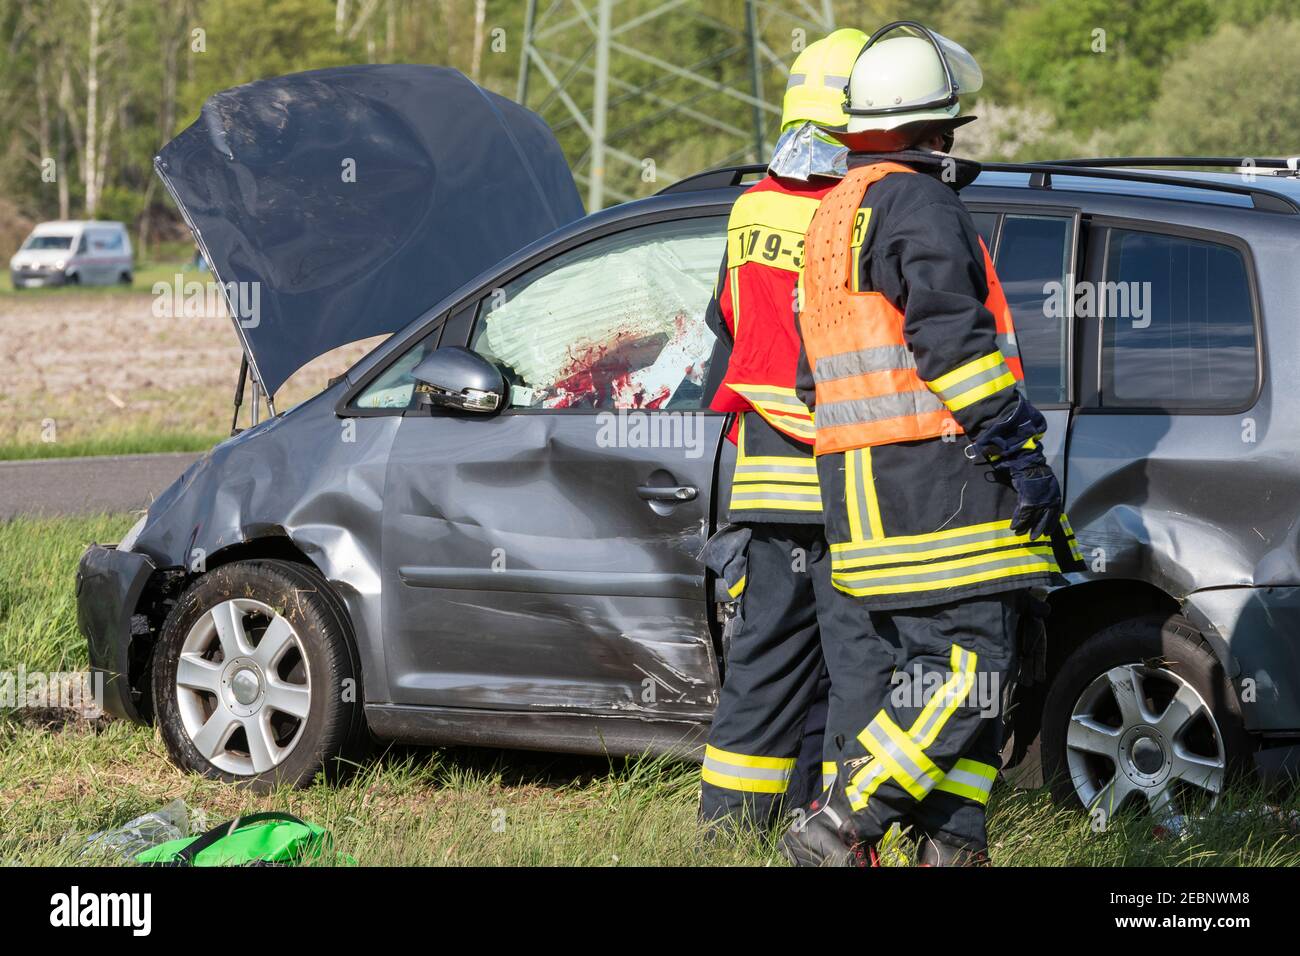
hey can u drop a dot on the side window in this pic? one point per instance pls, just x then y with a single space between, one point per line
395 386
1033 259
1178 324
616 323
986 223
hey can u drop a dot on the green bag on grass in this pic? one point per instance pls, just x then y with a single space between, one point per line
259 839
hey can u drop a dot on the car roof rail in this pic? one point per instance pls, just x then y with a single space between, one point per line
720 178
1289 164
1040 177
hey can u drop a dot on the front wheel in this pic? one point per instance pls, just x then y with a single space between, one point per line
255 677
1142 715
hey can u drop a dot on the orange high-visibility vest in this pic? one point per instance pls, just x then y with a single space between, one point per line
867 387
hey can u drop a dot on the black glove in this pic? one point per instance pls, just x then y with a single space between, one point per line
1011 443
1039 509
1007 437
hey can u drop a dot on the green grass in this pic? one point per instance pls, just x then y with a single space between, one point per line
38 612
409 806
141 442
503 808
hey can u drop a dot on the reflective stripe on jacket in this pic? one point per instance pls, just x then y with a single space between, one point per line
868 391
775 478
914 523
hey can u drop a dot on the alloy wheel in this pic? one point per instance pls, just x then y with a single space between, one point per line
243 686
1143 734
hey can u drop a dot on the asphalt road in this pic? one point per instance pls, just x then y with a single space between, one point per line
66 486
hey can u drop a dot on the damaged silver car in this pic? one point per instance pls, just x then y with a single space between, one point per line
486 531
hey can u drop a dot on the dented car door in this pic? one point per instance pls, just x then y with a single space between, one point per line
544 558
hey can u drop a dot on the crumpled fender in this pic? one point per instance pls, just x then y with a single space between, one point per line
319 483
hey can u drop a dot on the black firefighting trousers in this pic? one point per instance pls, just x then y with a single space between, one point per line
766 749
927 756
936 672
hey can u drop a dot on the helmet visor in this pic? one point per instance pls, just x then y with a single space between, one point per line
966 73
961 74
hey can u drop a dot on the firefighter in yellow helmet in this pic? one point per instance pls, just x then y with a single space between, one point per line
765 748
940 509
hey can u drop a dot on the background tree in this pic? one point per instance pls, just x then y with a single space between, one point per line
91 89
1213 102
1093 63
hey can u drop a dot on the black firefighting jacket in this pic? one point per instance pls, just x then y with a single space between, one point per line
920 523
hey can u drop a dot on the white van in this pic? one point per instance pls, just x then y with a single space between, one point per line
85 253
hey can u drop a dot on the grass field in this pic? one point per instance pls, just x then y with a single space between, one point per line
134 441
62 781
101 370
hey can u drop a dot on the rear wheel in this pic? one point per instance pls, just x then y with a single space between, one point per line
255 677
124 279
1142 715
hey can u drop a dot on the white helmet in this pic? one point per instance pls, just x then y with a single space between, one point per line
909 74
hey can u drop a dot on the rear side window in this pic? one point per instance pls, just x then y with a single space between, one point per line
1178 324
1033 260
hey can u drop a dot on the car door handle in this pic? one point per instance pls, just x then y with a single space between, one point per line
667 492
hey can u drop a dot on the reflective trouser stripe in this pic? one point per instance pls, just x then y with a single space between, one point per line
829 772
911 769
869 554
876 358
973 381
911 578
738 588
970 779
865 782
949 697
747 773
902 755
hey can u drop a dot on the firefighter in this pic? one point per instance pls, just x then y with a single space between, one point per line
765 745
940 508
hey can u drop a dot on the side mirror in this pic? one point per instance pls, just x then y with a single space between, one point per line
457 378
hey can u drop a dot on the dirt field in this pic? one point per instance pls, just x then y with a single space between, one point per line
81 367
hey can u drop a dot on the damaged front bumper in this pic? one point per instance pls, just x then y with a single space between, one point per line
109 586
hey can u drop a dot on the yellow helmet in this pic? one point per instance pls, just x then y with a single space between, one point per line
818 79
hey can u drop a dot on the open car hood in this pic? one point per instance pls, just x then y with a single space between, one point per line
338 204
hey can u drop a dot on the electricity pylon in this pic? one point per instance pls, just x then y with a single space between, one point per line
584 61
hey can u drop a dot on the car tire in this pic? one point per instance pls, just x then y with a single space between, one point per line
1142 713
125 279
256 678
